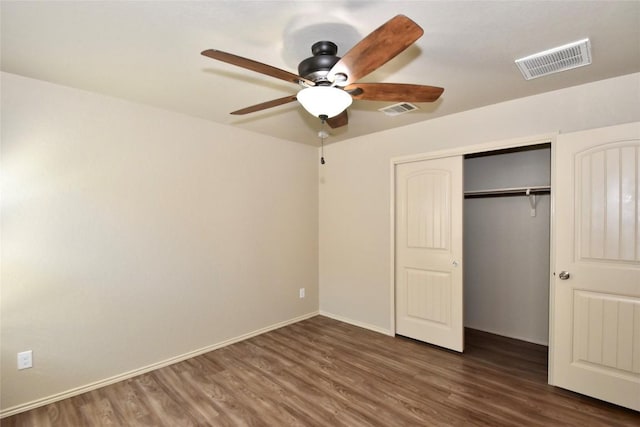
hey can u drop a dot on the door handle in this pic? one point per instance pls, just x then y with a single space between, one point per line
564 275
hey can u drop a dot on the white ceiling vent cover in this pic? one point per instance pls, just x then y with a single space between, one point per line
397 109
567 57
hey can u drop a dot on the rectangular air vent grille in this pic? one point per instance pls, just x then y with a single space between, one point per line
397 109
567 57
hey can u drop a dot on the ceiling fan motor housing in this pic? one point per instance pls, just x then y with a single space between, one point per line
316 67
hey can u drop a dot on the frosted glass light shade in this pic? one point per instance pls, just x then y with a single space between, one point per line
324 100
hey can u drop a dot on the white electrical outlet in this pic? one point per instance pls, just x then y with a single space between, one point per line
301 292
25 359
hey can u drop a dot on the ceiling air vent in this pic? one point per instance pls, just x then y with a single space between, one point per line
572 55
397 109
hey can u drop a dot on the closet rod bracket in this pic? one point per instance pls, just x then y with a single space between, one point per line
532 201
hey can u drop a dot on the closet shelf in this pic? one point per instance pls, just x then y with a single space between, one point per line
515 191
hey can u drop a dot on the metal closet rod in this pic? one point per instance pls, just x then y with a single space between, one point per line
514 191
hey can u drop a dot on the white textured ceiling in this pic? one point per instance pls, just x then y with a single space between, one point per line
149 52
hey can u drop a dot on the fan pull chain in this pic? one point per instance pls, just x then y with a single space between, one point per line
322 134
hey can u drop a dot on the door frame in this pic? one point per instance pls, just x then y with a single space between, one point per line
549 138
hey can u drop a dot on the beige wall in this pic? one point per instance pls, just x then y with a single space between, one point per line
132 235
355 183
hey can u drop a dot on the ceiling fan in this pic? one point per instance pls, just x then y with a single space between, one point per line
329 83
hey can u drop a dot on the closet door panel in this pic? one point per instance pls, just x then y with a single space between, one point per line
428 209
607 183
428 296
428 251
596 315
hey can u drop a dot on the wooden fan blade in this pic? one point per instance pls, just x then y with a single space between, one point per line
340 120
394 92
265 105
376 49
256 66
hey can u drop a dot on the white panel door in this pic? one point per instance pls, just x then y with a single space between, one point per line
596 316
428 245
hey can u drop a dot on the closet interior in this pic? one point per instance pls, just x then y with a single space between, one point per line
506 242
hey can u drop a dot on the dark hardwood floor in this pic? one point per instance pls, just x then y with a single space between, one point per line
321 372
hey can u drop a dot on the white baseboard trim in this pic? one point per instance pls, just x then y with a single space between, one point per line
356 323
125 376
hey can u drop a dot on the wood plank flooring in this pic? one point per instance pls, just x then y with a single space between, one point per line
321 372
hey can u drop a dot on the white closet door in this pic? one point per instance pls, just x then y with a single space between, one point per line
596 316
429 202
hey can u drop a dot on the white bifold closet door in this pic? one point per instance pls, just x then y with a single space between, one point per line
429 199
596 317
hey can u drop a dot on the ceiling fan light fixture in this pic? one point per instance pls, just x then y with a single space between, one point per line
324 100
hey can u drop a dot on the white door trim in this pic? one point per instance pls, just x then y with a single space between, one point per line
549 138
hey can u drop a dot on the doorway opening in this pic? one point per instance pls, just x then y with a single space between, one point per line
507 231
509 248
